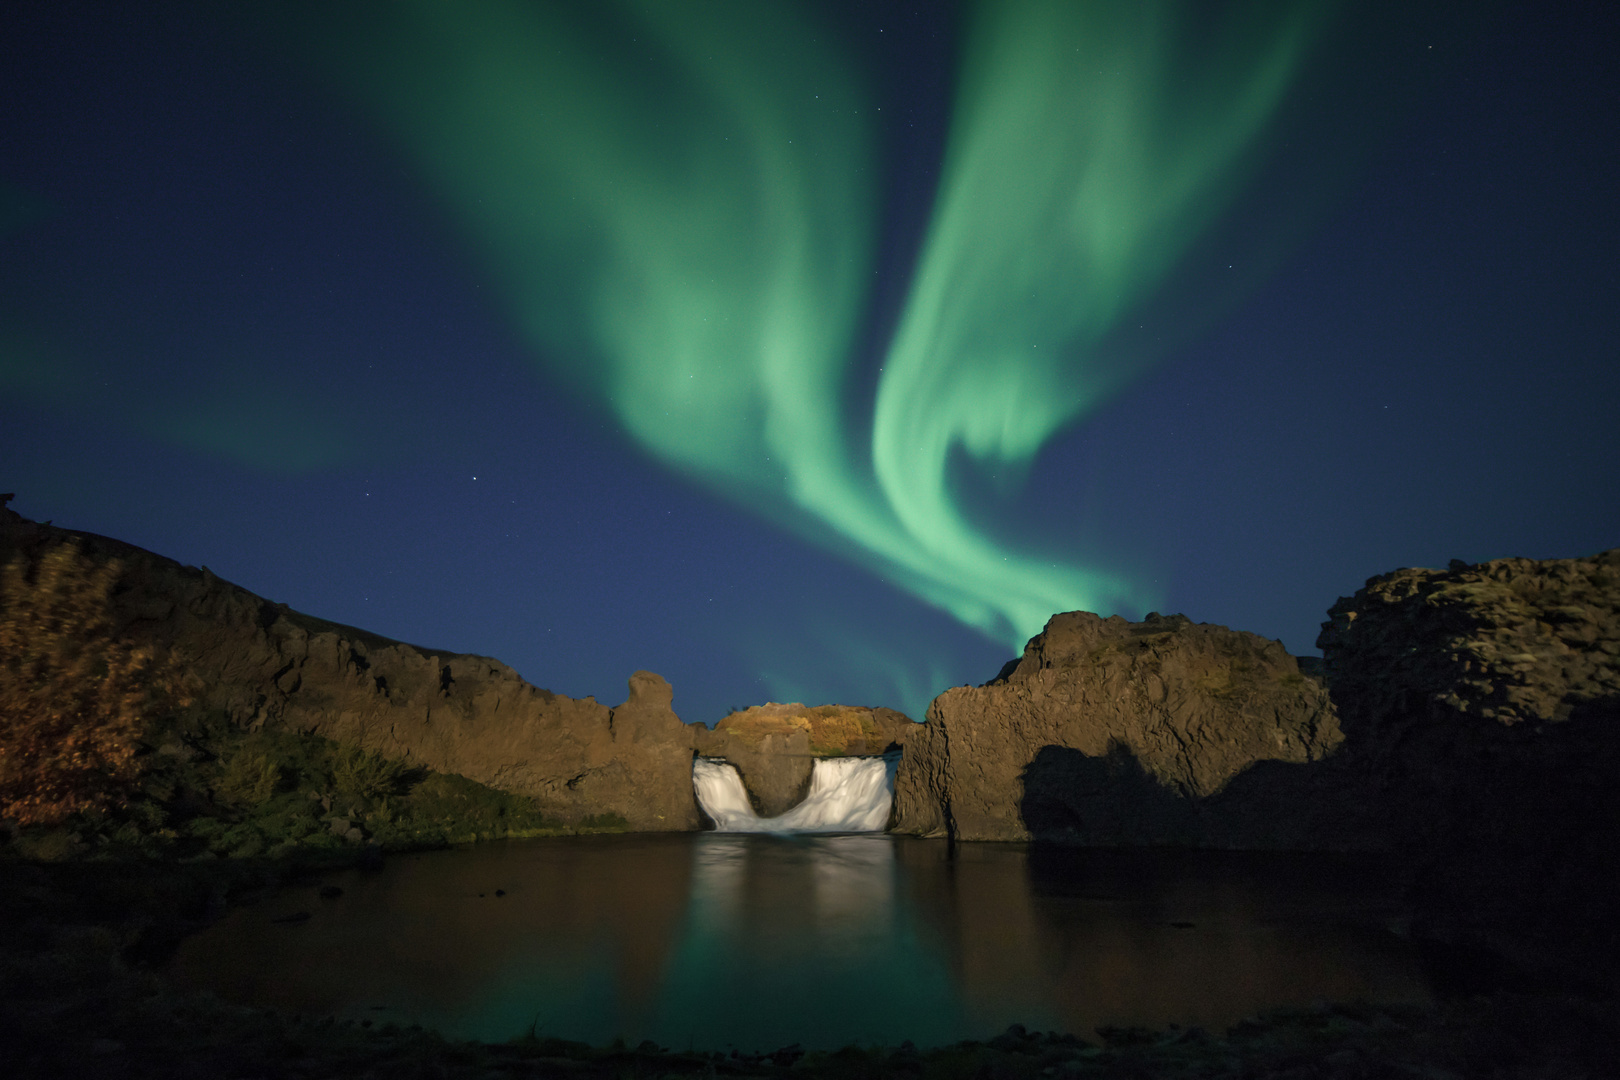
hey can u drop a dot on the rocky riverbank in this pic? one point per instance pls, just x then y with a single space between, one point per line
1466 721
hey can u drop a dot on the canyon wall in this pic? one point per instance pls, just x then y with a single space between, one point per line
260 664
1465 721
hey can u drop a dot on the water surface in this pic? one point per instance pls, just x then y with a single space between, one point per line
752 941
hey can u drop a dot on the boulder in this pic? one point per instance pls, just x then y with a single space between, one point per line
1110 732
261 664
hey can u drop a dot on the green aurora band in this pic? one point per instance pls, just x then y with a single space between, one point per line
679 201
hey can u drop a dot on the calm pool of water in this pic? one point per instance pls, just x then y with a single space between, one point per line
717 941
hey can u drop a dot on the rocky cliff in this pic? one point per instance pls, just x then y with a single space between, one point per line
1512 641
1110 732
1469 726
261 664
1481 706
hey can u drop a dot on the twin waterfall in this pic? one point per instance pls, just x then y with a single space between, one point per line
851 794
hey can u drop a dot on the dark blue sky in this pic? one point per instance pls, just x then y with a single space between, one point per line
237 328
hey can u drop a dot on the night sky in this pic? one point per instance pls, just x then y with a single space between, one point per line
813 353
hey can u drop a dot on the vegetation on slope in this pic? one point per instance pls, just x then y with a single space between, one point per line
102 757
74 695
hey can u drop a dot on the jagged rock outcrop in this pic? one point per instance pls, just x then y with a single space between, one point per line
773 746
260 664
1481 706
1110 732
1510 641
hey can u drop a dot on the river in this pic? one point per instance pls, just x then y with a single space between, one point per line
756 941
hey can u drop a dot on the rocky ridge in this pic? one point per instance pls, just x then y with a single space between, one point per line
1512 641
262 665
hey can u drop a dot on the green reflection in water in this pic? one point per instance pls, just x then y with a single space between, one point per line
804 940
757 942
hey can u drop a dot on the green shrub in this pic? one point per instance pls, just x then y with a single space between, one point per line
250 778
366 775
215 790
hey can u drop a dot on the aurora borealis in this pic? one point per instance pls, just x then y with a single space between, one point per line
686 232
792 359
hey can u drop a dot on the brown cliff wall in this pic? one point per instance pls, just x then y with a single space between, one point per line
262 664
1480 716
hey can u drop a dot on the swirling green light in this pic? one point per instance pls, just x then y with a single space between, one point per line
1091 145
679 201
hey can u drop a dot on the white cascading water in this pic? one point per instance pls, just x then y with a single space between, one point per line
846 795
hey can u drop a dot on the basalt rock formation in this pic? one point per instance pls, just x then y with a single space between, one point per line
1109 732
1481 707
773 746
1473 733
1513 641
262 664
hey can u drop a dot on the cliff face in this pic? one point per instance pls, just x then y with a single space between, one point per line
261 664
1109 732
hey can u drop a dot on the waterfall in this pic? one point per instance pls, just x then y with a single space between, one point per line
850 794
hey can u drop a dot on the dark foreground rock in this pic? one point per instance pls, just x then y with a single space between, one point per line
1481 708
1473 731
261 665
1109 732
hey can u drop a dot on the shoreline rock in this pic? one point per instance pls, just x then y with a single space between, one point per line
1481 706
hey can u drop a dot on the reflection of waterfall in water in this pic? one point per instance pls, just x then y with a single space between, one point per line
846 795
753 940
806 939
